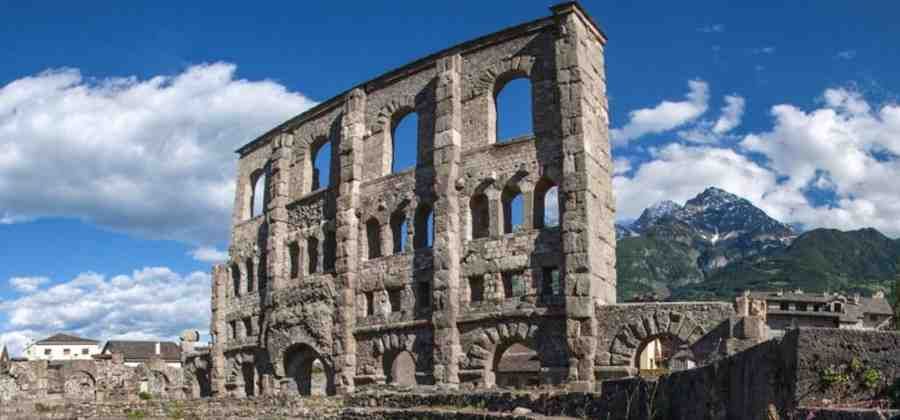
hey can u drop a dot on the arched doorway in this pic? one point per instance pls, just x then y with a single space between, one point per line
655 352
248 373
309 371
80 385
402 370
517 366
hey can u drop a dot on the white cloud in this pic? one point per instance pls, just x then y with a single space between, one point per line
209 255
153 302
679 172
152 157
710 132
621 166
845 55
27 284
854 145
847 149
665 116
718 27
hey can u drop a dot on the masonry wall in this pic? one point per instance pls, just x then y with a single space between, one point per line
320 274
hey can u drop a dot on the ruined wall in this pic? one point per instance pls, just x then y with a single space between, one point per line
93 380
417 275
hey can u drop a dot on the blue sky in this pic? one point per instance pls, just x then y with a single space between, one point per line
118 122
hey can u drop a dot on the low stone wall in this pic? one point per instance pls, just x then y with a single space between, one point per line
843 365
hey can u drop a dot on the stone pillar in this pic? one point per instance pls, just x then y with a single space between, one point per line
447 243
496 218
587 208
276 214
347 236
217 328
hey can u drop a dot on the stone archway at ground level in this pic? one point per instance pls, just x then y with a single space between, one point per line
633 338
493 343
517 366
309 372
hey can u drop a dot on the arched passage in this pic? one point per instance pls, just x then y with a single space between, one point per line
309 371
479 209
655 352
517 366
80 385
402 369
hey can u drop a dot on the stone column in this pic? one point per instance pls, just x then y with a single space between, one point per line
347 236
276 213
447 243
496 218
585 193
218 329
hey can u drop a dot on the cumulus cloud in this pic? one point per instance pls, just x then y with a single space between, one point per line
152 157
27 284
209 255
678 172
707 131
665 116
150 303
848 149
854 145
621 166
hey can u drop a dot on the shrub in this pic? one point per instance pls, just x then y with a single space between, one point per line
146 396
871 378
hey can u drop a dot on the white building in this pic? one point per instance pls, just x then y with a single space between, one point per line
62 347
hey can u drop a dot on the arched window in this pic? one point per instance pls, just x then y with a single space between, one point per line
373 235
263 278
405 143
399 231
512 209
258 194
481 217
403 369
321 168
329 250
251 277
294 252
546 204
512 109
236 279
424 234
312 255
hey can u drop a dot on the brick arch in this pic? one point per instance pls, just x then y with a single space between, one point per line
483 353
498 74
632 337
393 111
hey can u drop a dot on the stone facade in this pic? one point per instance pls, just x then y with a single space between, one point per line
418 266
102 379
418 277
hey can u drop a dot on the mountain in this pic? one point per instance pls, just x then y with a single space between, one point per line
718 244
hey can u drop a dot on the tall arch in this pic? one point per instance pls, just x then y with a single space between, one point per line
310 372
546 204
236 279
480 211
373 238
402 369
424 233
513 208
512 107
312 255
398 231
321 163
258 193
404 140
